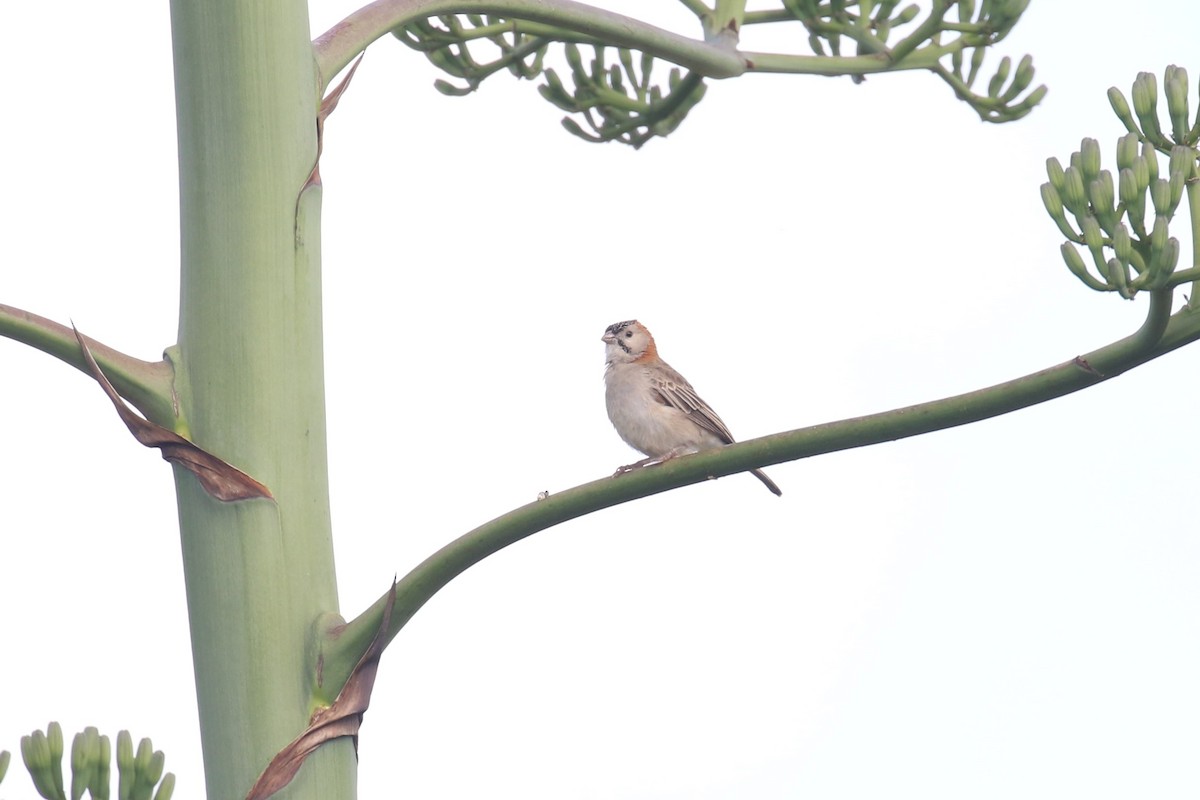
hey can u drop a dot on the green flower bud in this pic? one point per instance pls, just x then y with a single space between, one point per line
597 59
1145 94
1175 86
907 14
35 751
1021 79
1129 188
445 60
1103 199
1151 155
1075 263
1003 14
997 81
554 91
647 66
616 80
1158 236
966 10
1054 207
1164 253
1141 173
1176 183
1032 99
976 63
1073 194
154 768
82 764
1135 212
1139 266
1121 107
166 788
143 763
573 128
574 58
1127 150
1122 244
125 765
1171 255
54 737
1160 195
99 785
1051 200
1092 235
1118 276
1145 105
1054 172
1183 160
1089 159
450 90
625 56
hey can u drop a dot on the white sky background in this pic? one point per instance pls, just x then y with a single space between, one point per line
1008 609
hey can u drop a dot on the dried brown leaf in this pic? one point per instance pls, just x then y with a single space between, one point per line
342 718
328 104
223 481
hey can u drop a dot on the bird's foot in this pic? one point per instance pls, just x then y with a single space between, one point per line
647 462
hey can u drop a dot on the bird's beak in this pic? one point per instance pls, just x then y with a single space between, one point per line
608 338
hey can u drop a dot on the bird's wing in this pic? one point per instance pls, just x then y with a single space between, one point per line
674 390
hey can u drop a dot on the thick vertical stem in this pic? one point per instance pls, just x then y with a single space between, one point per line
725 24
249 376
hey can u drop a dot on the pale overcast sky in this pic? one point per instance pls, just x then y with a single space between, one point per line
1004 610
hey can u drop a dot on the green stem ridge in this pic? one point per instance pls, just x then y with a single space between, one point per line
1159 334
728 15
148 386
335 48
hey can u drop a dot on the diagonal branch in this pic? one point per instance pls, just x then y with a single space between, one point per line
148 386
1161 333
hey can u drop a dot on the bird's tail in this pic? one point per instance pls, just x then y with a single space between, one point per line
770 484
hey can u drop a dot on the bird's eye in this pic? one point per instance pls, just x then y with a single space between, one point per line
628 334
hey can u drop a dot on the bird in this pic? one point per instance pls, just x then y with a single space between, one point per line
654 409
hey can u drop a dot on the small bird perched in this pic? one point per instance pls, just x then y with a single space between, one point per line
653 407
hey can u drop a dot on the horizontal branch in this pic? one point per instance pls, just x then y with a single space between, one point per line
925 58
1160 334
148 386
335 48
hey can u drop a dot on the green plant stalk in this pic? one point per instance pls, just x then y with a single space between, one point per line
923 33
1161 333
145 384
697 7
249 377
924 58
727 15
1193 204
